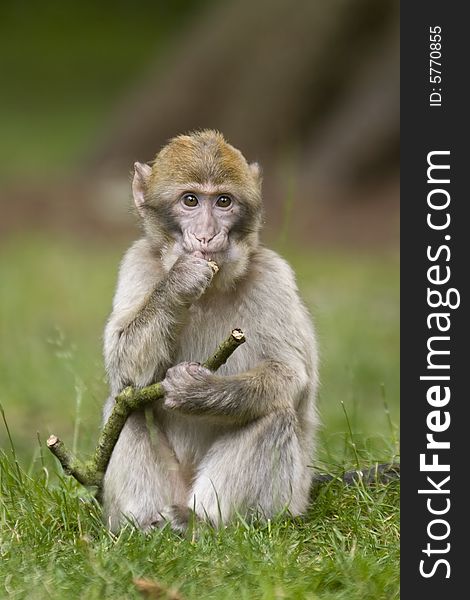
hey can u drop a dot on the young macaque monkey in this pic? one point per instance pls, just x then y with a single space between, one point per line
239 441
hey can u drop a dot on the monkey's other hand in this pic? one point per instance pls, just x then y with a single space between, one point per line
191 275
182 384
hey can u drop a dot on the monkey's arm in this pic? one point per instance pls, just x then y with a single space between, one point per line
270 387
138 342
148 312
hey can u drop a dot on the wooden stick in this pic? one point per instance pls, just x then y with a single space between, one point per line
92 472
70 464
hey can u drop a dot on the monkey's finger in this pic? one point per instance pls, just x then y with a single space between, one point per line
196 370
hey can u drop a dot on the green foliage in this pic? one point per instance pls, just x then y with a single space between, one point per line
55 297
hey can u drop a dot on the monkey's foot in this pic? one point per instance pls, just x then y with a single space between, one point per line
176 515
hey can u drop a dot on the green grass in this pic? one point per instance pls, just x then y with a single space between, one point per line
54 300
54 546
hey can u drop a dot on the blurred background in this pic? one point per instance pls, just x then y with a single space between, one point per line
309 89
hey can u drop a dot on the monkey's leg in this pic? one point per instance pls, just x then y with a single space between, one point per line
143 476
256 469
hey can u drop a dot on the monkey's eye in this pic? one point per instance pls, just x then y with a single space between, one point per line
190 200
224 201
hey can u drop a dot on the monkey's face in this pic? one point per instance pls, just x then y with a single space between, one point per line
200 196
210 222
207 218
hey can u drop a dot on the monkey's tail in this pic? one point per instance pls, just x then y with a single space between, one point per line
383 473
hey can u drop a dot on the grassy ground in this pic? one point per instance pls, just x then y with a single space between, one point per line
55 298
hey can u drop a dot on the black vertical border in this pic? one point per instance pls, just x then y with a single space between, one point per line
424 129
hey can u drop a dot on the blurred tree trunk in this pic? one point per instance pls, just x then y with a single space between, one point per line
320 76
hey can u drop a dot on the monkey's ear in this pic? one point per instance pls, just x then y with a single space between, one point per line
139 183
256 172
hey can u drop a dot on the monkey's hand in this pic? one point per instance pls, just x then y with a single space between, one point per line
184 385
271 386
190 276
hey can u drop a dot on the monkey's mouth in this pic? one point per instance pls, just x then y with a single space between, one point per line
215 256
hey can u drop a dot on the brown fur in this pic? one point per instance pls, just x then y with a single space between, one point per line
204 157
